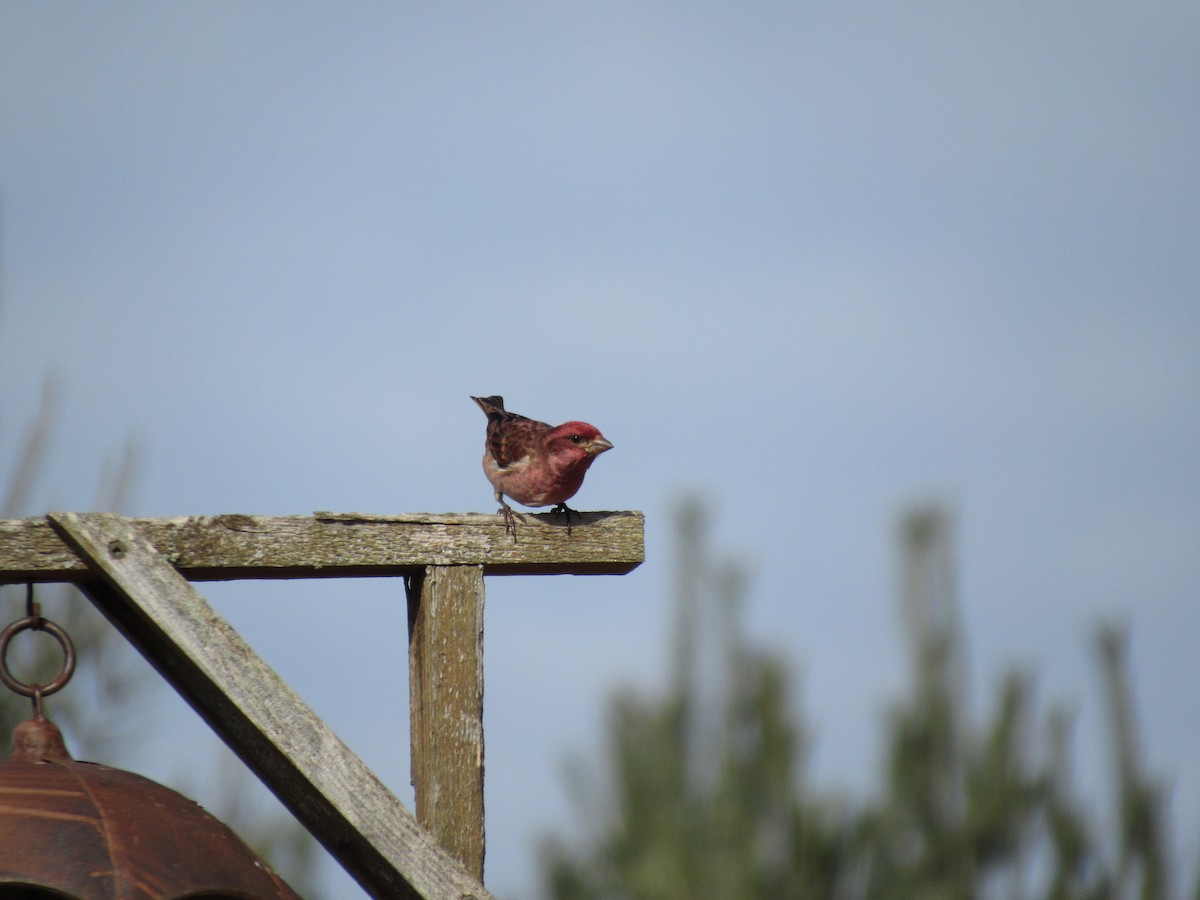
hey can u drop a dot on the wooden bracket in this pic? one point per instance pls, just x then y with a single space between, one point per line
138 573
327 787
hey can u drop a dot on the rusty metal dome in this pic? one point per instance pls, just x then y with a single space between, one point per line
83 830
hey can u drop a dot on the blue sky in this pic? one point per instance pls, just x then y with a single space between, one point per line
811 261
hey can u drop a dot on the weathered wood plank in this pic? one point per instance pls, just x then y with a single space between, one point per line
312 772
345 545
445 658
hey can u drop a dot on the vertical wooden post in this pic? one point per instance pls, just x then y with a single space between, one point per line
445 658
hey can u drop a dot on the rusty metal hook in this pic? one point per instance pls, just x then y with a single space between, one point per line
32 607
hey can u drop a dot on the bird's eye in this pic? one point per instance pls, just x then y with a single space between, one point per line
575 439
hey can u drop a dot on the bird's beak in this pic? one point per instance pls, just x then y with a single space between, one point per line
596 446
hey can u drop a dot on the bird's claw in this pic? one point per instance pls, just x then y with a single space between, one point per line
563 510
510 518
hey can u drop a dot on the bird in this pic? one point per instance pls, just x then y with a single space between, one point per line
533 463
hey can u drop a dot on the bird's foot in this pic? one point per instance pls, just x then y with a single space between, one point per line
510 518
563 510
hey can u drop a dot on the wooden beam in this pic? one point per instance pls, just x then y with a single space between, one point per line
313 773
445 659
345 545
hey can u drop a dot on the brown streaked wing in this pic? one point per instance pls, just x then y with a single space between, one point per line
513 437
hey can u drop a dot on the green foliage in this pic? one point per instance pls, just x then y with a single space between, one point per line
701 794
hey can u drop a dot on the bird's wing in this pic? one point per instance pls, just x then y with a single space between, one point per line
512 437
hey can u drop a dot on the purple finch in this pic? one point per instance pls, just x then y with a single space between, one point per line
535 463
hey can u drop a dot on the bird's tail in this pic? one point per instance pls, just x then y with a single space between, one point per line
493 405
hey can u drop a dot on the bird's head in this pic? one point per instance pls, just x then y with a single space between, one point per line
577 439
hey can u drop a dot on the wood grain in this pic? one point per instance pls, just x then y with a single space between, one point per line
344 545
445 615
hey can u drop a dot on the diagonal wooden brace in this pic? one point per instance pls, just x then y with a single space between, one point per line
329 789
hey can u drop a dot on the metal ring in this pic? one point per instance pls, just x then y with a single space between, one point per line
37 623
